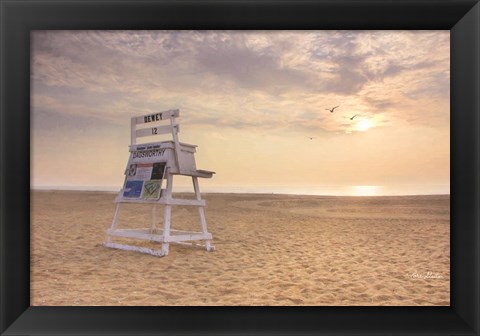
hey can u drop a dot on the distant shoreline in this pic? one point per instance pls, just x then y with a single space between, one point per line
236 193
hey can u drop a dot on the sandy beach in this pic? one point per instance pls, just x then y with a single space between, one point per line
269 250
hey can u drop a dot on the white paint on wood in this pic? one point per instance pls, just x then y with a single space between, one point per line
156 116
161 238
140 249
114 221
164 151
179 160
153 227
158 231
136 235
209 248
201 212
163 144
179 201
167 212
162 201
133 138
179 238
157 130
177 145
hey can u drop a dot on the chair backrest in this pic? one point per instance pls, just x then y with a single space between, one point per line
154 119
165 117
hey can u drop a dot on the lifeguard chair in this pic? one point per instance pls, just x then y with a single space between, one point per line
148 166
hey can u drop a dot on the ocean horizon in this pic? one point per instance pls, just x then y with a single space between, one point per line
365 190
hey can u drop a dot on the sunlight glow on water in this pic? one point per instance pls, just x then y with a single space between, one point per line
365 190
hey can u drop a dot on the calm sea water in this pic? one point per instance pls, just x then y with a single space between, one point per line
333 190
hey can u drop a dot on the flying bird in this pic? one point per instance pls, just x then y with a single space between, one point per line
310 138
332 109
352 117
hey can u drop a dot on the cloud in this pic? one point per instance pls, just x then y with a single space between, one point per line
248 80
248 69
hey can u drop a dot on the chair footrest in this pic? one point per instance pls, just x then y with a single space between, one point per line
196 173
204 173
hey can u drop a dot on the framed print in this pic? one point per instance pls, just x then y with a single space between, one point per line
71 70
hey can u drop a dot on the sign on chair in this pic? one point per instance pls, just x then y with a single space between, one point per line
150 167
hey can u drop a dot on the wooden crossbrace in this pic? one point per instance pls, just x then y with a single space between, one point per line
158 253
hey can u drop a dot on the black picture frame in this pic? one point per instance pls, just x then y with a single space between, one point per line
19 17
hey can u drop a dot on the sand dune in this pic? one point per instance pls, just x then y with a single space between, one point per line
270 250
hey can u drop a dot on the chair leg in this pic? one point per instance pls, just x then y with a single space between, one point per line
167 213
167 216
114 223
201 212
153 226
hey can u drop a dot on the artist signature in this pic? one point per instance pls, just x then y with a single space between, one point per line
426 275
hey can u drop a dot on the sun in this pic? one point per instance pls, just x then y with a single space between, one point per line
364 125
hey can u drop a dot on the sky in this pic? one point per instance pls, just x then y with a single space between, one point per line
255 103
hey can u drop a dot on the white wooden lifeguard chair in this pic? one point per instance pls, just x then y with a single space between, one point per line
149 164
